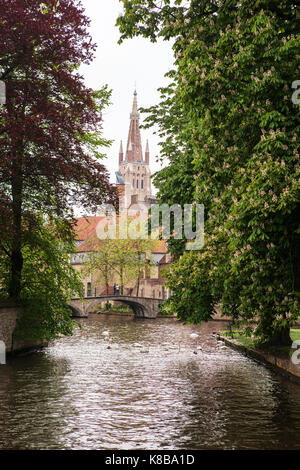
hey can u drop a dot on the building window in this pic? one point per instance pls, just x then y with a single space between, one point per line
89 289
137 183
142 184
133 183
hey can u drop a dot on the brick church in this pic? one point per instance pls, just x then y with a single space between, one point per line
134 175
134 184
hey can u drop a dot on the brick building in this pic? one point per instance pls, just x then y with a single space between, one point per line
134 184
134 175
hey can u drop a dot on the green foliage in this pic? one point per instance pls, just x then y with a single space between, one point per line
48 282
235 64
242 337
118 260
191 296
100 261
50 135
94 142
175 182
122 308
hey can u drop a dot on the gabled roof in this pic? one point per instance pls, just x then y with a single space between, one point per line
159 246
85 229
84 226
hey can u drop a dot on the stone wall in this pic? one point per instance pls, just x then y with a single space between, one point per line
283 365
9 313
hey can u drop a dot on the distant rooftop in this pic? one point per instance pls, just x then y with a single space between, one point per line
120 179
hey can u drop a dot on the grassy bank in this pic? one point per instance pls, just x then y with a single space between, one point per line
248 341
109 308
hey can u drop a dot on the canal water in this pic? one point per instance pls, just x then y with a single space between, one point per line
123 383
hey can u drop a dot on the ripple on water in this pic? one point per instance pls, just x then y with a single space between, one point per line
80 394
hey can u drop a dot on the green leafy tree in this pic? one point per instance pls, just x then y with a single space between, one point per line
100 262
175 182
118 260
48 283
122 261
141 260
50 124
235 64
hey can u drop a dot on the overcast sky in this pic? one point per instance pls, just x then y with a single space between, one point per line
121 66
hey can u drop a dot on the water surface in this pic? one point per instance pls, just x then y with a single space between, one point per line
121 383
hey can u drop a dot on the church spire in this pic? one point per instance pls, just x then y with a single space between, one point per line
121 153
147 153
134 106
134 152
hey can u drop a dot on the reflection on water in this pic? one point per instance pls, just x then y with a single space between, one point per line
121 383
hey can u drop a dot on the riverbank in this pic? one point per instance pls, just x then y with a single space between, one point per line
128 314
280 361
9 314
144 384
115 312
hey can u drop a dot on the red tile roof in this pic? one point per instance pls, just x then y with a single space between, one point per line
159 246
85 229
92 243
84 226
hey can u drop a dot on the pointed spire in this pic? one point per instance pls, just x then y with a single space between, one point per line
121 153
135 106
134 150
147 153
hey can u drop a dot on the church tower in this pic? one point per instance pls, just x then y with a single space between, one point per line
134 171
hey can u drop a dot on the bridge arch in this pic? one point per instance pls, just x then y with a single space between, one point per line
142 307
76 311
138 308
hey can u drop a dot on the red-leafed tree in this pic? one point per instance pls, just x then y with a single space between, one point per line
50 123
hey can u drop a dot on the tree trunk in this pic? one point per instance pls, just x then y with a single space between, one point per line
138 284
16 273
281 338
121 281
16 259
139 275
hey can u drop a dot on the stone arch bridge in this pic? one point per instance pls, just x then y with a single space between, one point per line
143 307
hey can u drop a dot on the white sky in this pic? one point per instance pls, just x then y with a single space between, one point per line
137 61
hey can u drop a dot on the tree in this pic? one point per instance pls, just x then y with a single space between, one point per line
175 182
118 259
234 72
50 123
100 262
48 282
122 261
140 262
